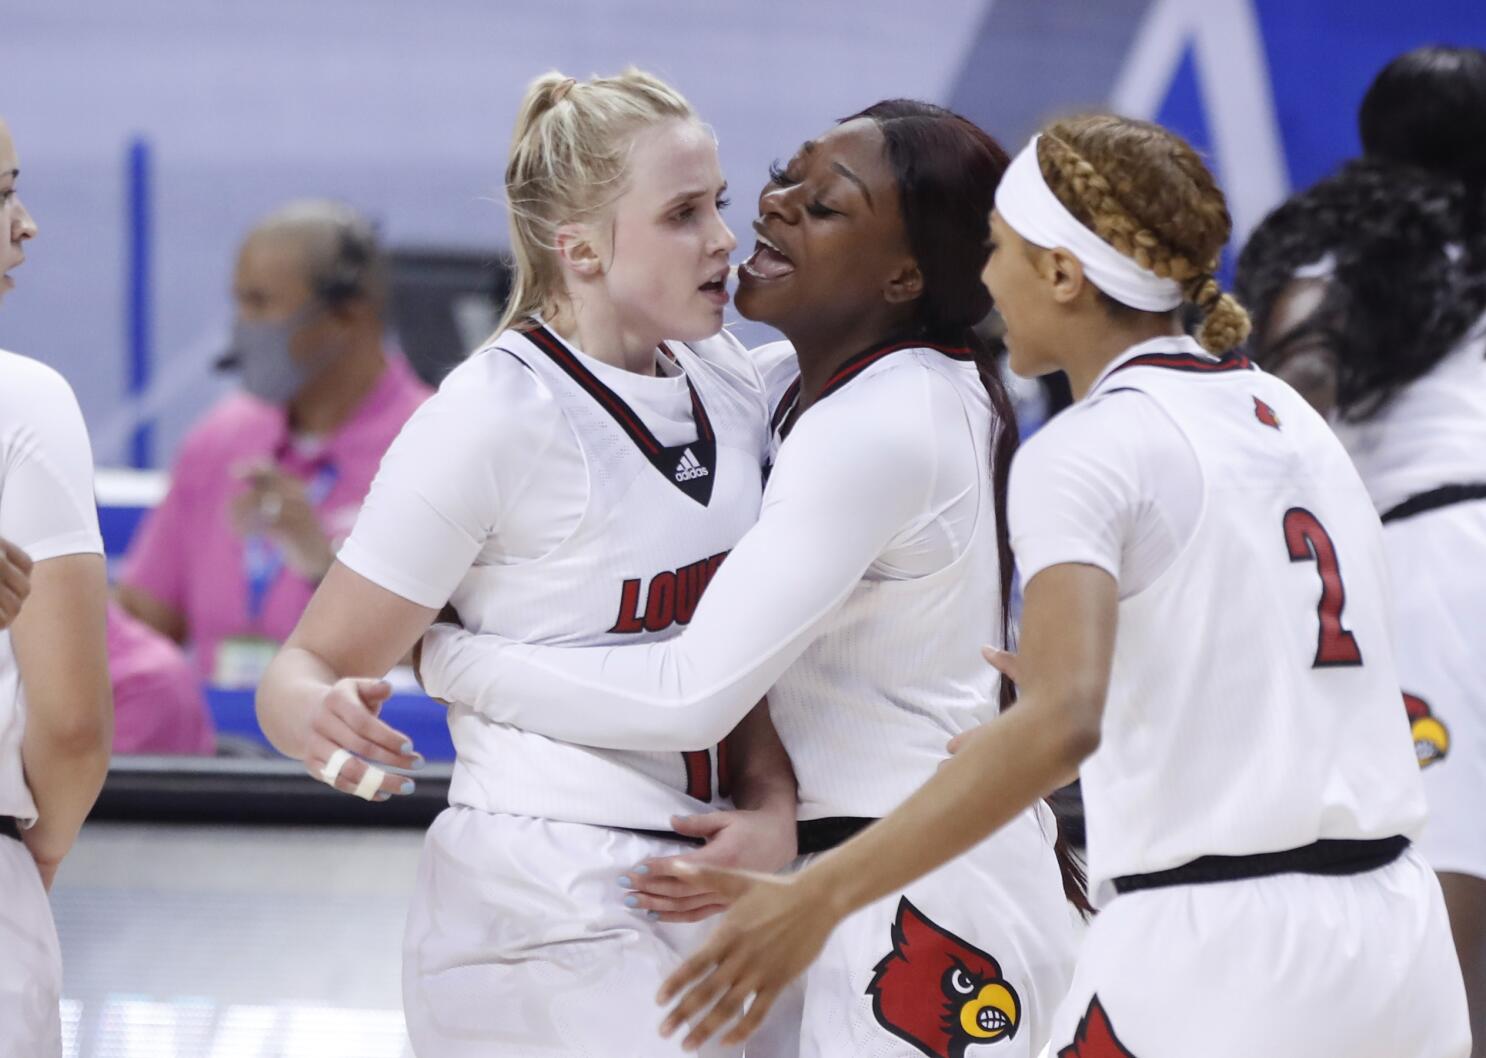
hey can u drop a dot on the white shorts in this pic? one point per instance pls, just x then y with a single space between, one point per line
1289 966
1438 564
518 943
30 959
976 953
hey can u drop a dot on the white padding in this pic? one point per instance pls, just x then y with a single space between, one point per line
334 765
370 783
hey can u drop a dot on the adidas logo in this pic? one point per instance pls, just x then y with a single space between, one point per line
689 468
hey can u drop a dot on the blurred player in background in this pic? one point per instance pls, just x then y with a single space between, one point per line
56 709
1369 295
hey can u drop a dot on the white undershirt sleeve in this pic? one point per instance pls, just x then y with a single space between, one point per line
1111 483
46 492
845 486
438 494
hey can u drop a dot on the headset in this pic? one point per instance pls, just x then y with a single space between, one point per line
355 253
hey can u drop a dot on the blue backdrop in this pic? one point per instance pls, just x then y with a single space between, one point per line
404 110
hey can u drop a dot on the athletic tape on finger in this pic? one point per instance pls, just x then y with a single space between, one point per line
370 783
333 766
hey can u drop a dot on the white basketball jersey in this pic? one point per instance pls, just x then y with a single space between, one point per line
895 670
658 522
1253 704
1431 433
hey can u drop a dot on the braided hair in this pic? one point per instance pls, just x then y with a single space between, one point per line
1145 191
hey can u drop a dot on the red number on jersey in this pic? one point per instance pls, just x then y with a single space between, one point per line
699 773
1308 540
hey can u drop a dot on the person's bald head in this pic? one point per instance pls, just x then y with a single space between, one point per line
310 250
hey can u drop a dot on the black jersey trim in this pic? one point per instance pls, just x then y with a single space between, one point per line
666 459
1434 499
855 365
607 399
1331 856
823 835
1188 362
850 369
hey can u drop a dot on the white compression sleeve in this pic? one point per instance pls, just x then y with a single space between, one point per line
848 484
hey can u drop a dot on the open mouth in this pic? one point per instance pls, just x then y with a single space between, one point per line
992 1020
716 288
767 261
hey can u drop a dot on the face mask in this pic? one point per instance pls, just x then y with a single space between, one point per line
261 353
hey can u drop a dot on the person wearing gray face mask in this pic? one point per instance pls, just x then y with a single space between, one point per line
276 473
263 352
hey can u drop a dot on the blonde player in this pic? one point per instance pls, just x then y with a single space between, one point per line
1205 639
56 709
576 481
860 599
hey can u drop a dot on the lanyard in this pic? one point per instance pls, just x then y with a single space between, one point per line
262 560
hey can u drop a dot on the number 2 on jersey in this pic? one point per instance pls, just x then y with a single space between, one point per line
1307 540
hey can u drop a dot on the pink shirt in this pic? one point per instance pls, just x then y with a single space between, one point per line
158 704
187 553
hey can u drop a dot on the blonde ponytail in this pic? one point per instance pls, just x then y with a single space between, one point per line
569 163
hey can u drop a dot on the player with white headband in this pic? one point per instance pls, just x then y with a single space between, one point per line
1205 640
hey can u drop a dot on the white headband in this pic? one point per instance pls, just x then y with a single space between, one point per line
1026 203
1323 267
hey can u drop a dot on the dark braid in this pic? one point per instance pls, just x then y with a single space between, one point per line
1397 301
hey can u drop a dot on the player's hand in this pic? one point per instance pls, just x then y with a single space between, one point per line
775 929
1009 666
751 840
278 506
1005 662
15 581
346 719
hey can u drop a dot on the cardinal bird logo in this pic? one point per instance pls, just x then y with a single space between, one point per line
1095 1037
1431 736
938 992
1265 414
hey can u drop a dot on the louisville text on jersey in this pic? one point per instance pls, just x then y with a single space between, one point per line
651 604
